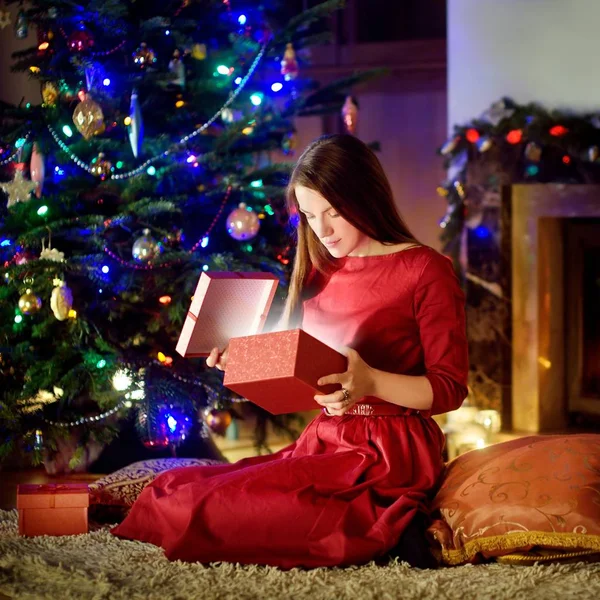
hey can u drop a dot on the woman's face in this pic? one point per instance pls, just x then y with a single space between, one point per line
336 234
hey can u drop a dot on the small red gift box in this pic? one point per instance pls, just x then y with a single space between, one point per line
279 371
53 509
225 305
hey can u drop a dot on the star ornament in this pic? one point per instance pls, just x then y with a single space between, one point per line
19 189
4 19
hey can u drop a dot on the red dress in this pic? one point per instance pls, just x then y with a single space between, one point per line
344 492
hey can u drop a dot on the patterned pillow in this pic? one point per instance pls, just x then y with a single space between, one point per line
122 487
524 496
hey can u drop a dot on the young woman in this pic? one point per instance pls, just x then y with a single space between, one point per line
347 490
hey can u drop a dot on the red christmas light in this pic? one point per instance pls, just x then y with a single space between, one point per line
558 130
566 159
472 135
514 136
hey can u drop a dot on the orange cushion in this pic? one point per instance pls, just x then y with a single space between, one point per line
520 496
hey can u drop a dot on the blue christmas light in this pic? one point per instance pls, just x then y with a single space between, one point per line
67 131
168 32
5 243
58 171
204 242
256 183
223 70
151 170
18 319
191 158
277 86
482 232
242 19
256 99
19 143
237 80
105 269
106 82
205 268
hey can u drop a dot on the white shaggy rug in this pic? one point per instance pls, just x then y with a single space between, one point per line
99 566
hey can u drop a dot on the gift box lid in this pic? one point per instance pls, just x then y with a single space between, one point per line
53 495
226 305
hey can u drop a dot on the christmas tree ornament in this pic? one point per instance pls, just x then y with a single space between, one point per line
144 56
483 144
88 118
37 170
199 52
450 146
217 420
80 40
101 167
350 115
136 125
21 25
19 189
29 303
593 153
243 223
51 253
177 69
49 93
61 300
145 248
5 19
503 109
289 142
533 152
289 64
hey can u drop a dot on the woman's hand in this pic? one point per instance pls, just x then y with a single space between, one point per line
217 359
357 381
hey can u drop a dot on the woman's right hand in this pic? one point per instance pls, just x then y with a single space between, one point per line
217 359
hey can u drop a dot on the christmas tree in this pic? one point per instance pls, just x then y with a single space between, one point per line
153 155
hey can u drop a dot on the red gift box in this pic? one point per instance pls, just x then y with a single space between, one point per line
53 508
225 305
279 371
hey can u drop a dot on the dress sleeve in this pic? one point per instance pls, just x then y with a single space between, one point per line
439 306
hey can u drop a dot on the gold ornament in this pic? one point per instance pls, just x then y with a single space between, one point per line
242 223
29 303
145 248
49 93
350 115
217 420
88 118
101 167
61 301
19 189
199 51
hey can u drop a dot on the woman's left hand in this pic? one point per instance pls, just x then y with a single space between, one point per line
358 381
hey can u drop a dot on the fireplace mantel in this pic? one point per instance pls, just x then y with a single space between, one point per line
538 308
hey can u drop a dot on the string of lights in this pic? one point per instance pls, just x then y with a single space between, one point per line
164 265
17 150
175 147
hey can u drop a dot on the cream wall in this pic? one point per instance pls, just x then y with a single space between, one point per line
531 50
409 127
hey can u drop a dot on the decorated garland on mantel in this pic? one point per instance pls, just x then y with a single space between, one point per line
530 145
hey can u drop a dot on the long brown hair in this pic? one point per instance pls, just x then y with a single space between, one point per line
347 173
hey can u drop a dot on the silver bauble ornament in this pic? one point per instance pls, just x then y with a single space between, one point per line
145 248
242 223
